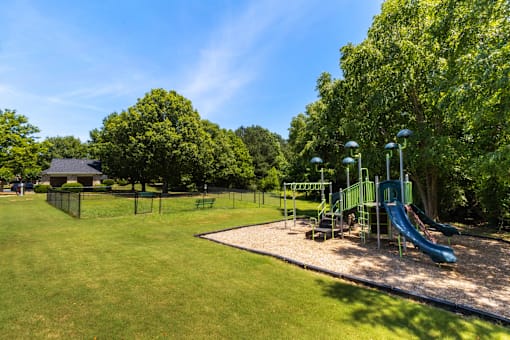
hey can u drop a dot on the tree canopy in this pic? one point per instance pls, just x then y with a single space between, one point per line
265 148
19 149
232 163
162 138
439 68
64 147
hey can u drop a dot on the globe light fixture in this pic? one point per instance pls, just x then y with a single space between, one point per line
405 134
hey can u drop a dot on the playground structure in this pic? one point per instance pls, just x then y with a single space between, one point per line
382 206
322 213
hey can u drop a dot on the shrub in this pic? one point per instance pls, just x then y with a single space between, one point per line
101 188
41 188
108 182
72 187
122 182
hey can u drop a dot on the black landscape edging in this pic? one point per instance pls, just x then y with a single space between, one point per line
485 237
441 303
233 228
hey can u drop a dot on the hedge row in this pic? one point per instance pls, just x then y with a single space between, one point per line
72 187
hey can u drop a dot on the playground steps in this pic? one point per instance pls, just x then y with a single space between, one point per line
322 233
384 221
326 229
326 223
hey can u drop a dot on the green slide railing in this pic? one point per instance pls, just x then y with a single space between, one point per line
351 197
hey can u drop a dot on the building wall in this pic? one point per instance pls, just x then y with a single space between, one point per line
58 180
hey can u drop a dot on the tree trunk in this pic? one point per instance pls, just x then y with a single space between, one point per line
421 191
427 189
433 197
164 189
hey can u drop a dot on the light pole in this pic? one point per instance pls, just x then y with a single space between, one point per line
389 148
347 161
405 133
318 160
353 146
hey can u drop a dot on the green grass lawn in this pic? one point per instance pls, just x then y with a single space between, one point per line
100 205
147 276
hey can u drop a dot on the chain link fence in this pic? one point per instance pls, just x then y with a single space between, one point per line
90 204
67 201
258 198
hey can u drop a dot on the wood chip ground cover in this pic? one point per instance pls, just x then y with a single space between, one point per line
480 278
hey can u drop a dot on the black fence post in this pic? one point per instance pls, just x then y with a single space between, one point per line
79 204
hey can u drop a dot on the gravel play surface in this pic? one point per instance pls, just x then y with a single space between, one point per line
480 278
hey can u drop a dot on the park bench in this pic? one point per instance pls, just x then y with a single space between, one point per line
205 202
146 194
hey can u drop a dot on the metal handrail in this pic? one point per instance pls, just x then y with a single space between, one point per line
321 208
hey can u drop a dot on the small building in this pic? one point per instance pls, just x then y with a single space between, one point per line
71 170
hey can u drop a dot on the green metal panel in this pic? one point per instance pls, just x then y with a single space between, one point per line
408 187
369 192
351 197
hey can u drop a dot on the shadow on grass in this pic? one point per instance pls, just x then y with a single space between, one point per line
398 315
306 212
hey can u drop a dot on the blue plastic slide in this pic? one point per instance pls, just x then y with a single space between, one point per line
438 253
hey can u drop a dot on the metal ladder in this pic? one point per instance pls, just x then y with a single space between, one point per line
364 223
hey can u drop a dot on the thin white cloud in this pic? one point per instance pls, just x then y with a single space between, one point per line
235 54
67 75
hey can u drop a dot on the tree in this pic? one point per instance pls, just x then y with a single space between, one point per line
323 130
271 181
159 138
232 163
179 147
116 144
391 78
439 68
264 147
64 147
19 149
476 90
297 142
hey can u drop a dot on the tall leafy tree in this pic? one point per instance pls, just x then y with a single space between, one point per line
232 163
179 147
159 138
264 147
439 68
64 147
297 141
19 149
118 147
476 90
392 84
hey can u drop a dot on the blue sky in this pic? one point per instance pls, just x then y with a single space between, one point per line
66 65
